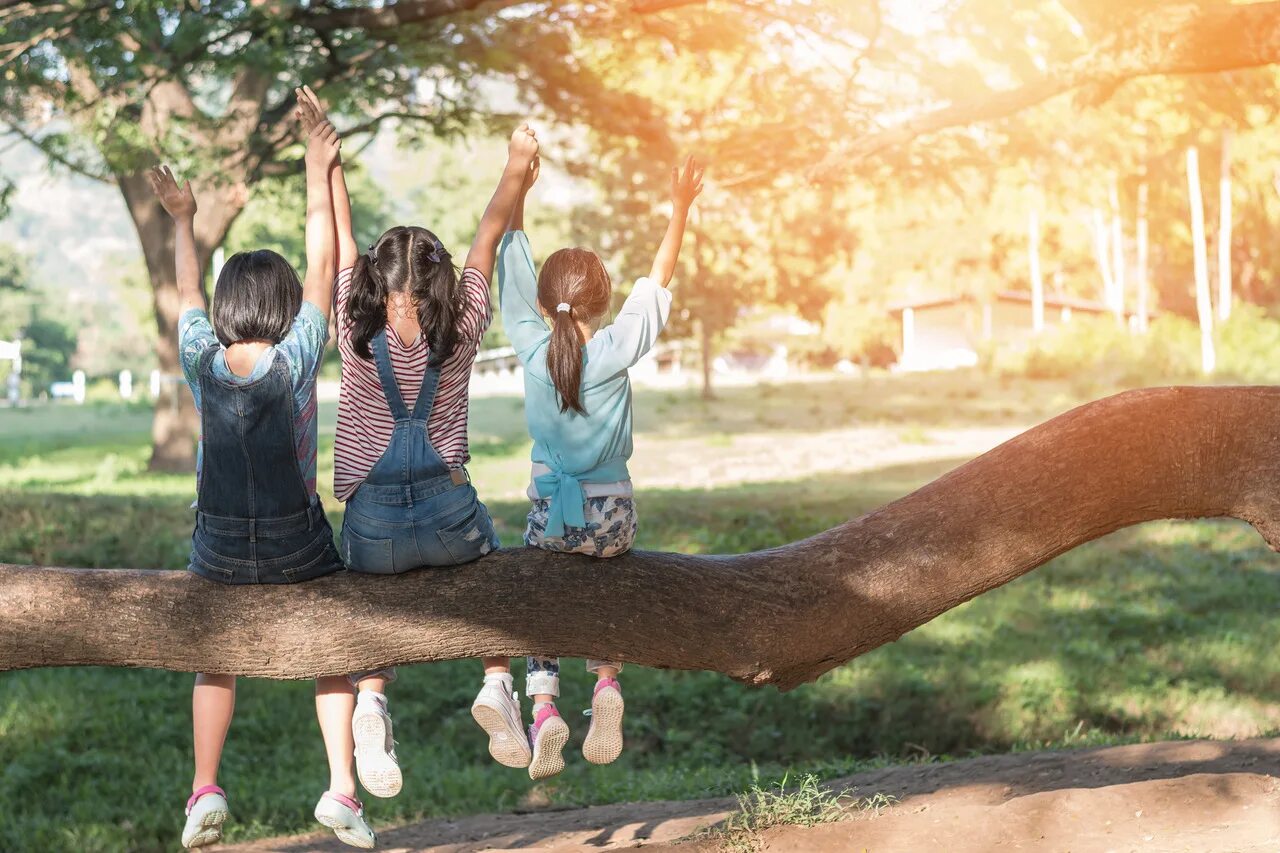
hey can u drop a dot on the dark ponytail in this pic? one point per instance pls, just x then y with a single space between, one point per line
406 260
573 286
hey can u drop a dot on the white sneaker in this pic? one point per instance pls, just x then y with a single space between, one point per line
345 817
548 734
376 762
604 739
497 711
206 812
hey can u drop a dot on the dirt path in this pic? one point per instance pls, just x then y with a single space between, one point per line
1177 796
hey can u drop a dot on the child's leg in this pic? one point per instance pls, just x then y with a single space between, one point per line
335 704
213 702
604 739
497 711
376 761
549 733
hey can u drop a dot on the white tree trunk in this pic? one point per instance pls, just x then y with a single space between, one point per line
1143 308
1117 254
1224 231
1204 308
1101 243
1037 282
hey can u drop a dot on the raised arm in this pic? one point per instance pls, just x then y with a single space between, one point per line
344 231
322 155
686 185
520 153
180 204
530 178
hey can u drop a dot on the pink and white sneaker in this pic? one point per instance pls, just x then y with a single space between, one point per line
206 812
548 736
604 739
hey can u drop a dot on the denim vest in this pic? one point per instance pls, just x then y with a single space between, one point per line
255 521
413 510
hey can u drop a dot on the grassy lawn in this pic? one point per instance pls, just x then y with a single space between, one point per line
1160 631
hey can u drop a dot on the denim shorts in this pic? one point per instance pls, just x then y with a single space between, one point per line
444 524
254 551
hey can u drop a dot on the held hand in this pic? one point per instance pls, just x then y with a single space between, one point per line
523 147
310 112
686 183
323 146
531 177
178 202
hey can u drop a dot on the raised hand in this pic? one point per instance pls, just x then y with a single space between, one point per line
523 146
686 183
531 177
323 147
178 202
309 112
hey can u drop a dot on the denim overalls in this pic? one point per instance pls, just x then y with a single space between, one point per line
412 510
255 521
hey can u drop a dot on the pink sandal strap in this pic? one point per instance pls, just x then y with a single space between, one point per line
355 805
607 682
200 792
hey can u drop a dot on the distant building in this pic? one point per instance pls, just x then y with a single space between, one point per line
943 334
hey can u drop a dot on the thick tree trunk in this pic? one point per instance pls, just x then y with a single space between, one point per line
782 616
175 424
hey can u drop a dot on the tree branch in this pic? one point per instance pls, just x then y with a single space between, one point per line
1184 38
390 16
782 616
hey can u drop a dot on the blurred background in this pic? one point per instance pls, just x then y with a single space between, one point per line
928 225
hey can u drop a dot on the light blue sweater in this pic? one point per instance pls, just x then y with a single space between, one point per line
590 448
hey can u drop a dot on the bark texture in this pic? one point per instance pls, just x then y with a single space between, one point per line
782 616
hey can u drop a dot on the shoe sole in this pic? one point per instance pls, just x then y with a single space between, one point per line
604 739
345 835
210 830
508 746
548 752
379 773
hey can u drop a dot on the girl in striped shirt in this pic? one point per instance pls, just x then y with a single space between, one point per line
408 328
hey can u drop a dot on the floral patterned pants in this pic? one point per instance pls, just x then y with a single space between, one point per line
610 531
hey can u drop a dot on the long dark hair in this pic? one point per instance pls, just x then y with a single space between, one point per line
573 285
406 259
257 298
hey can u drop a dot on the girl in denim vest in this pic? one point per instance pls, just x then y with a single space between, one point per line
409 325
251 365
578 407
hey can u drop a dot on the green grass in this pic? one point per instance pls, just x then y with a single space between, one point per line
1166 630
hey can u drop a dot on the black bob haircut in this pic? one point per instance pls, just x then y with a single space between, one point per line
257 298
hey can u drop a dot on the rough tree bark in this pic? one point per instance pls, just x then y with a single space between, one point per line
782 616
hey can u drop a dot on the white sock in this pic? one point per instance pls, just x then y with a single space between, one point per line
503 678
371 696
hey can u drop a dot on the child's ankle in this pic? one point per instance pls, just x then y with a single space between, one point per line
371 696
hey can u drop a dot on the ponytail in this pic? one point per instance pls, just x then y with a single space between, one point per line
366 303
564 359
573 286
434 287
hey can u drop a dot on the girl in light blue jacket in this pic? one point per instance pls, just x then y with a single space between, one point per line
578 406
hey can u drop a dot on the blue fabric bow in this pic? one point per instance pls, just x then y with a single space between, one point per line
565 493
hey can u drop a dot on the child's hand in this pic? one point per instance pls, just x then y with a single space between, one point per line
180 203
686 183
531 177
323 146
523 147
323 143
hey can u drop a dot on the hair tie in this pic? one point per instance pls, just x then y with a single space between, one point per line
371 255
437 252
563 307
